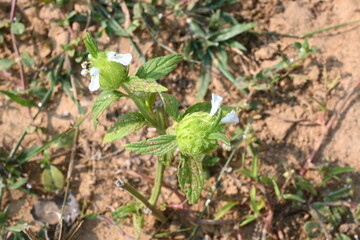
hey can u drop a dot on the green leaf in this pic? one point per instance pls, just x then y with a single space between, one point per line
293 197
254 168
308 186
91 45
205 76
171 106
342 236
235 44
35 151
19 182
66 139
339 194
158 145
197 30
253 201
198 107
22 101
210 160
245 172
125 125
224 210
17 28
336 171
219 136
191 177
140 85
248 220
222 66
227 33
6 64
52 179
17 228
27 60
277 189
102 102
312 229
123 211
158 67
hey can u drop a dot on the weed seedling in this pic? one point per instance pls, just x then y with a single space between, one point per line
195 132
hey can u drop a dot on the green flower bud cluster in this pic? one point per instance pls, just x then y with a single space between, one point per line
112 73
192 133
107 69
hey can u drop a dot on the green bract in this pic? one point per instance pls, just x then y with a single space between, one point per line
112 74
192 134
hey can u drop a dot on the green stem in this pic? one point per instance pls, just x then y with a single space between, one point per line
160 166
160 123
146 111
159 174
127 187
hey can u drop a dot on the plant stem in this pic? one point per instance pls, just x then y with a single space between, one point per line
159 174
148 114
160 166
127 187
24 82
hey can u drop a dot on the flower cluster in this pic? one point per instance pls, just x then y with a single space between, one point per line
107 70
192 132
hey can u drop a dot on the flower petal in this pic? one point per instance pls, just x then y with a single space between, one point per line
215 103
124 59
231 117
95 79
84 72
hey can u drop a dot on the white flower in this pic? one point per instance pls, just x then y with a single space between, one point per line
95 79
215 103
84 72
231 117
216 100
124 59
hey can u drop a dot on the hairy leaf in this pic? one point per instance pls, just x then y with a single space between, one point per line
140 85
191 177
124 126
171 106
158 67
102 102
158 145
91 45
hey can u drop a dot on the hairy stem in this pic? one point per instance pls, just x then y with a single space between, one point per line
159 174
160 166
148 113
127 187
